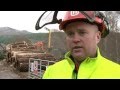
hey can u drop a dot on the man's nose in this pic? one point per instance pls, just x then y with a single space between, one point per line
76 38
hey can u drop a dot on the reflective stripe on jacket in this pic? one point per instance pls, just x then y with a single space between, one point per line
90 68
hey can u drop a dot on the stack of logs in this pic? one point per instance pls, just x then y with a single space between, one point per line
20 53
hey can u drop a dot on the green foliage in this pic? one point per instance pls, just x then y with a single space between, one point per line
34 37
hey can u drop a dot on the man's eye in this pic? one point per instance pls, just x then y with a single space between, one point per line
82 33
70 33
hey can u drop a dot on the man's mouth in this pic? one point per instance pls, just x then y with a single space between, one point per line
77 48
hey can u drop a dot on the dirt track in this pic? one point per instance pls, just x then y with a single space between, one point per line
8 72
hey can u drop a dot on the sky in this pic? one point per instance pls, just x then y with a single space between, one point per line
22 20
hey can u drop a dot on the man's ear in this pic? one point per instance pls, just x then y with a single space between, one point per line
98 37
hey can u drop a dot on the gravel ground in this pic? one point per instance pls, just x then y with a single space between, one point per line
7 71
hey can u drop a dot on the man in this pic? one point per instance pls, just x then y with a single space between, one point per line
83 61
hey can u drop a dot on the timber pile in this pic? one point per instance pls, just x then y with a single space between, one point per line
20 53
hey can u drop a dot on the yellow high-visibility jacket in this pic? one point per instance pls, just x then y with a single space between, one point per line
91 68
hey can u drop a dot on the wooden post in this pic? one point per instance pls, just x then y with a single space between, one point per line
49 40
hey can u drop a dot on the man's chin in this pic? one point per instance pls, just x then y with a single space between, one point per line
77 55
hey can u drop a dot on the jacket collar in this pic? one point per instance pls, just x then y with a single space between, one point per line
88 60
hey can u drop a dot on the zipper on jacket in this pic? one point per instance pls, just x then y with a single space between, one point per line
75 73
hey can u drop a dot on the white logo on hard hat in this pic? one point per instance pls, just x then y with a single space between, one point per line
74 13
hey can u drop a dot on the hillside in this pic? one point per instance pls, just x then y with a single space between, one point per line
11 31
10 35
34 37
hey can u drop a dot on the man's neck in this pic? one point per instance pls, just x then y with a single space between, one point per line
76 61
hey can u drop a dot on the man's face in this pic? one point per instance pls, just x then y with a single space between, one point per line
82 39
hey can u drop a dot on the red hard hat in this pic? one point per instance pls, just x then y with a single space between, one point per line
72 16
